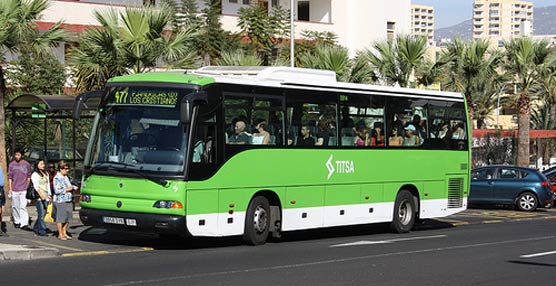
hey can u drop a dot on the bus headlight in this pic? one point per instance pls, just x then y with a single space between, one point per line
168 205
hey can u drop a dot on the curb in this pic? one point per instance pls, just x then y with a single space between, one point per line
26 252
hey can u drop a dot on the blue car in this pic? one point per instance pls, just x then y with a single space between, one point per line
525 188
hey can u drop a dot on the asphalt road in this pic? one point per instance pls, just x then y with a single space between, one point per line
518 252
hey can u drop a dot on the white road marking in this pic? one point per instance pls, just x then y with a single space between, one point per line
324 262
537 254
370 242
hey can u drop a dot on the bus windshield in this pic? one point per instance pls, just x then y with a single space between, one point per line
139 129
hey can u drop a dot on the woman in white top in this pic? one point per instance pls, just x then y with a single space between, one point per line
262 136
41 183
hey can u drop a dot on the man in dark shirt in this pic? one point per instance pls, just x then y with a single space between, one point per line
240 136
306 139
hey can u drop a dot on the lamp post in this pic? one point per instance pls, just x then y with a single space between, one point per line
292 34
498 111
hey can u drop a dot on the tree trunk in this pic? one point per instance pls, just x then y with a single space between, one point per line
3 158
524 106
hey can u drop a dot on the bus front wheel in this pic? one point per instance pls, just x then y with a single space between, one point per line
404 212
257 221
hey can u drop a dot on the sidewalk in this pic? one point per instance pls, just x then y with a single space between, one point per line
17 246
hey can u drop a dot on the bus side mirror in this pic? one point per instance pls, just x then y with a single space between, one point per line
187 104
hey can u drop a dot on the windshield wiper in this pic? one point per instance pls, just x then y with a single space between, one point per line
109 164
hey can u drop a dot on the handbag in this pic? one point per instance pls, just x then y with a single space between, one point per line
31 193
48 217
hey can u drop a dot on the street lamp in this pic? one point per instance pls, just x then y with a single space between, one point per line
292 36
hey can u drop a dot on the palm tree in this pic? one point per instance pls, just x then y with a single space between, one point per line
18 30
469 68
336 58
238 58
524 60
137 45
396 61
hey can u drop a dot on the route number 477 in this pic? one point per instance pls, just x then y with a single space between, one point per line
120 96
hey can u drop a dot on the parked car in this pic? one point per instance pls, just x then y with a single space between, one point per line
525 188
551 176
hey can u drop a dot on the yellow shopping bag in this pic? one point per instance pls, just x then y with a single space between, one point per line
48 216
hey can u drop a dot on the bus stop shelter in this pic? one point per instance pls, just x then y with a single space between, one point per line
52 112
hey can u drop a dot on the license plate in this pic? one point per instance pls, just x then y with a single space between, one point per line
130 222
113 220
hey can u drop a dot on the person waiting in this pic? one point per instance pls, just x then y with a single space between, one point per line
306 139
240 137
411 139
395 138
262 136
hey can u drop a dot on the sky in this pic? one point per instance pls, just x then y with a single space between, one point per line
451 12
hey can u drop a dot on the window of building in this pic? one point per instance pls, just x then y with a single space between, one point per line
303 11
390 30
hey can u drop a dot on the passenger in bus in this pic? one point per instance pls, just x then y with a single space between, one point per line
262 136
395 138
240 137
398 123
411 139
459 132
363 138
377 138
346 121
322 136
306 139
420 129
332 130
445 131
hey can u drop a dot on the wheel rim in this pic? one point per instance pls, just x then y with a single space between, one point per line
260 219
405 212
527 202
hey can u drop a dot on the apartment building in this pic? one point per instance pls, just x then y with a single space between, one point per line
502 19
358 23
422 22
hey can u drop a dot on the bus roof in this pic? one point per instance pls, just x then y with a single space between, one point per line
169 77
282 77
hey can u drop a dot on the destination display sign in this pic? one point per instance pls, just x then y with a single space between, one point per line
146 97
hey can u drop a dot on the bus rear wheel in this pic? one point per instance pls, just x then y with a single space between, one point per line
257 221
404 212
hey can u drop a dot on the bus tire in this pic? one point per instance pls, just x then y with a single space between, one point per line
404 212
257 221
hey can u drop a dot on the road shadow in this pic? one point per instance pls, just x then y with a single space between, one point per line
532 263
504 207
168 242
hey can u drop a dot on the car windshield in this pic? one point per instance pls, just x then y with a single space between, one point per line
141 132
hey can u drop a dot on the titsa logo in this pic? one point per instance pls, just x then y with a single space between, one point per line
339 167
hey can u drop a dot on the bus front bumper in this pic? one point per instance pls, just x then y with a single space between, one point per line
140 222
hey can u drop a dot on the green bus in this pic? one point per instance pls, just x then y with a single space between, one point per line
255 151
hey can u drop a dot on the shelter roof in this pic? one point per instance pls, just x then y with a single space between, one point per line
50 103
